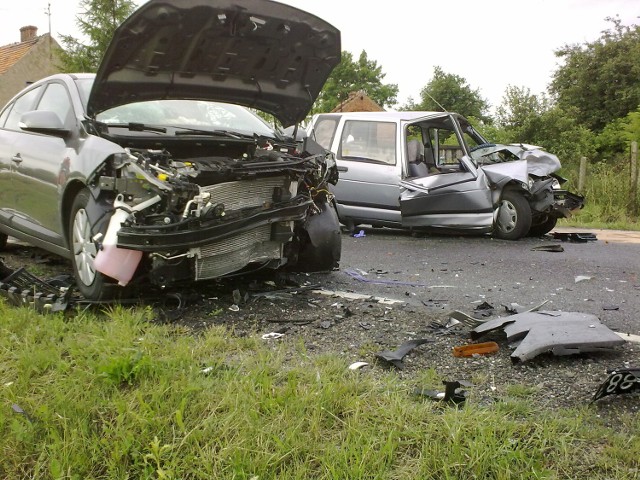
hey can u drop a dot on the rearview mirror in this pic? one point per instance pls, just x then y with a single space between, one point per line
43 121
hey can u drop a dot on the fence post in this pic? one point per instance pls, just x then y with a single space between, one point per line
634 177
582 175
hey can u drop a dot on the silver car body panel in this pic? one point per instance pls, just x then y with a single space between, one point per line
556 332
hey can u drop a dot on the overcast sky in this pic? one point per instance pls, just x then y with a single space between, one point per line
490 43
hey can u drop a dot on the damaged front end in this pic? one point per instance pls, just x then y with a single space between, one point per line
189 217
535 170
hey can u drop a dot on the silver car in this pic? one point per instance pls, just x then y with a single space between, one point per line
154 171
433 171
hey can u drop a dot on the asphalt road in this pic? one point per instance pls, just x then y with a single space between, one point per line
453 272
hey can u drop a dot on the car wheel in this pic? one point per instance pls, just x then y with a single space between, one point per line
92 284
3 241
514 216
543 228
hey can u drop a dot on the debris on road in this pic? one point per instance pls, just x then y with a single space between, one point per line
557 332
548 248
452 393
574 237
474 349
395 357
622 380
357 365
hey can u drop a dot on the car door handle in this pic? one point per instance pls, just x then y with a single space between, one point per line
343 169
16 158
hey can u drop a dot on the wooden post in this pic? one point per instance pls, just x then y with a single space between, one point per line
582 175
634 177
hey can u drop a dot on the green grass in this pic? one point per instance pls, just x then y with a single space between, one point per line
115 396
608 197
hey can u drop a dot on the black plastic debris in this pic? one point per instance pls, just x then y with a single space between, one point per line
483 310
395 357
548 248
582 237
621 380
22 288
453 392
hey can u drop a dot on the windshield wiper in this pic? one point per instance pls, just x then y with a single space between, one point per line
212 133
137 127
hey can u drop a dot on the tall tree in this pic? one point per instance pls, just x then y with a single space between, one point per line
454 94
353 76
520 112
600 78
97 21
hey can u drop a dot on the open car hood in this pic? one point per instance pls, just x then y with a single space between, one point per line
257 53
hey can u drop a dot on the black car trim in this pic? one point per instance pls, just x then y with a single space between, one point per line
153 238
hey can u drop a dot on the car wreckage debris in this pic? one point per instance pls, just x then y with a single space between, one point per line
22 288
574 237
473 349
621 380
453 393
395 357
557 332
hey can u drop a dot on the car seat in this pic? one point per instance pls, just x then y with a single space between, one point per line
415 159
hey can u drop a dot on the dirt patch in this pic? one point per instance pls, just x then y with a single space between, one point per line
356 329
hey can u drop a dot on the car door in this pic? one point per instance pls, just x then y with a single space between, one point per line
37 161
370 171
455 194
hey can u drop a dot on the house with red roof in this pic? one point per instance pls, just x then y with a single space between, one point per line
26 61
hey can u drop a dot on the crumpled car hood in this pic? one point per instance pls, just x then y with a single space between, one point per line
257 53
533 161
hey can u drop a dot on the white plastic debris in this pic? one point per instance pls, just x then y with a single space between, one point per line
272 336
357 365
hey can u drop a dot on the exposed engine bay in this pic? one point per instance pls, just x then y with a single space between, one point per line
199 217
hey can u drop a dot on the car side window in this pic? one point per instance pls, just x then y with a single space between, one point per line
446 147
56 99
22 105
368 141
324 130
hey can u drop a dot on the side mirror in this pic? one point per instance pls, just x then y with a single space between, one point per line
43 121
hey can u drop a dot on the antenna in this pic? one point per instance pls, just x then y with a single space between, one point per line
436 102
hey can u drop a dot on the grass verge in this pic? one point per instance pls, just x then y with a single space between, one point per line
117 396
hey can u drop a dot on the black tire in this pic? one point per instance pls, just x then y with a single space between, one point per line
91 284
514 216
3 241
542 228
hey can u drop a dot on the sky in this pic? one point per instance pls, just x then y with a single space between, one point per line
492 44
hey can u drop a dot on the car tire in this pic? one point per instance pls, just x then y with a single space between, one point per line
543 228
92 284
514 216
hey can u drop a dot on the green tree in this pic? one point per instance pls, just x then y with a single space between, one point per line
452 93
353 76
97 21
519 106
600 79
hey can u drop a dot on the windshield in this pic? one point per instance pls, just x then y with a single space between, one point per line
196 114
